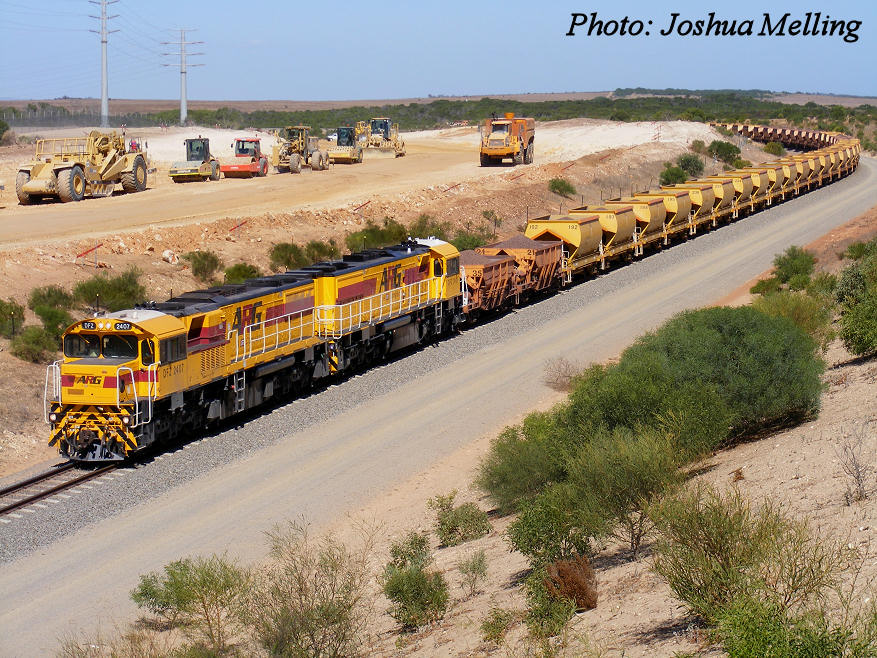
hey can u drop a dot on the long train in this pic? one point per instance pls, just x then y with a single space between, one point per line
137 377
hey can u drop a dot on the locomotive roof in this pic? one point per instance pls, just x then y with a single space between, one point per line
211 299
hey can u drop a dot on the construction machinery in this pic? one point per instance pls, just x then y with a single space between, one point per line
346 148
249 160
200 164
72 168
296 147
509 137
383 138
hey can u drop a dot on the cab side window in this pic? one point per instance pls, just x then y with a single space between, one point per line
453 266
147 352
437 268
172 349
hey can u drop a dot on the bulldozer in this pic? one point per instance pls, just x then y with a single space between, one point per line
383 138
72 168
296 147
199 165
347 148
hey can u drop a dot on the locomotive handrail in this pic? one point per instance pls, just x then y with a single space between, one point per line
250 341
333 321
119 380
53 373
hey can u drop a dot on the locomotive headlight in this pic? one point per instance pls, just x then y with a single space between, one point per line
126 420
53 417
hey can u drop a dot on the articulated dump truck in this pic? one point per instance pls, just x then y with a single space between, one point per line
509 137
73 168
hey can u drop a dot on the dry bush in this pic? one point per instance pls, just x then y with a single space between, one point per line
125 643
573 579
560 373
856 467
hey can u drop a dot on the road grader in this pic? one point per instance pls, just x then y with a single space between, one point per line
72 168
199 165
296 147
346 148
383 138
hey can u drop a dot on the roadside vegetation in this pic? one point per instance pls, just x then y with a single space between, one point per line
391 232
627 105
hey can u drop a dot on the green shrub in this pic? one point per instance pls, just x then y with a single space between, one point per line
858 326
724 151
471 237
546 614
317 251
34 344
859 250
799 282
769 372
496 624
50 296
775 148
521 461
823 286
553 527
11 318
561 187
425 226
55 320
203 596
374 236
113 293
690 164
417 596
715 549
698 146
852 287
240 272
204 264
456 525
617 474
287 256
809 313
794 261
412 549
473 570
750 628
740 163
766 286
673 175
312 598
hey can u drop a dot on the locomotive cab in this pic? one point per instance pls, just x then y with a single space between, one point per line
101 394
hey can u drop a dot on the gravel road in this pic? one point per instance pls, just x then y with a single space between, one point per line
70 564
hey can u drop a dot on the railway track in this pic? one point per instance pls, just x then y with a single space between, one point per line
46 484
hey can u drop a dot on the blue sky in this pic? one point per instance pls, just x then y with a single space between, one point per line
283 49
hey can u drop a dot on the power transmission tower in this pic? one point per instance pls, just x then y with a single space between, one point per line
104 92
182 43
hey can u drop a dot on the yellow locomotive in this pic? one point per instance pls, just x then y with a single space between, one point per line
132 378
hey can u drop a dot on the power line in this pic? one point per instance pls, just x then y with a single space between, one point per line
182 43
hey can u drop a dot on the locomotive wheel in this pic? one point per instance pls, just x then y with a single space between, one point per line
71 184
